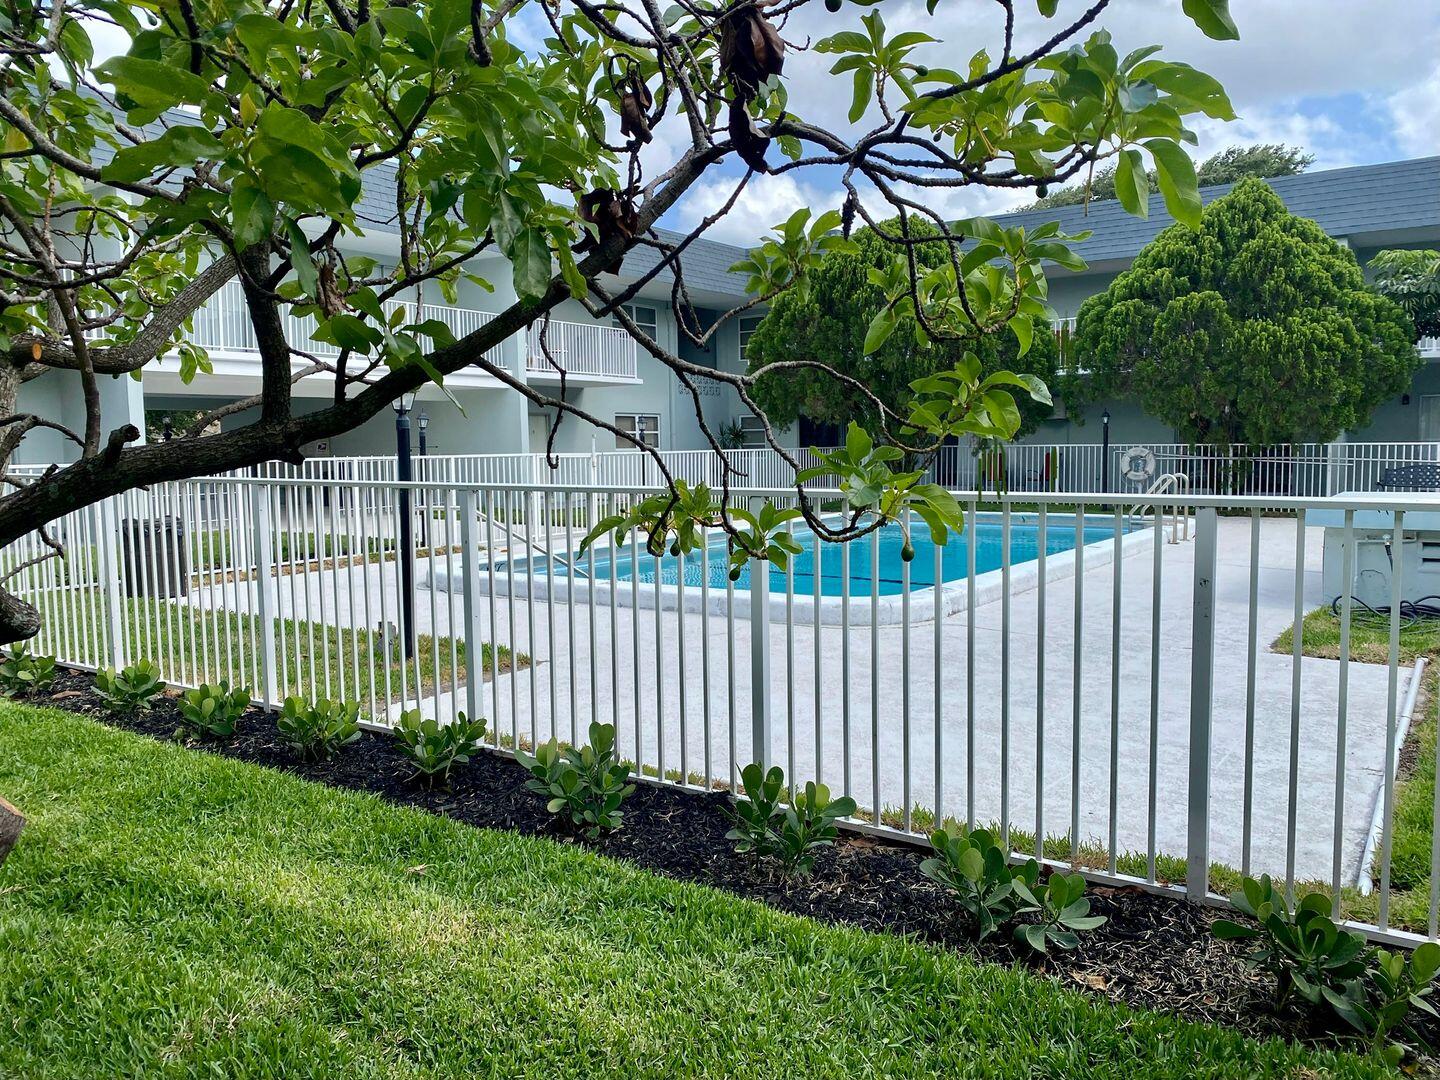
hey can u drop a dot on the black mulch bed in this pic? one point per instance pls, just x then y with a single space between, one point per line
1154 952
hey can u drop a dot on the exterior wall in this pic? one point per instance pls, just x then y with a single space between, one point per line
500 420
1128 424
57 395
1068 291
1398 420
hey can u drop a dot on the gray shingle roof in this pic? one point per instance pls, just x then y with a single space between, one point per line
705 263
1345 202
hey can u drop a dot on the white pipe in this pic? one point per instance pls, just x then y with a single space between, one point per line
1364 881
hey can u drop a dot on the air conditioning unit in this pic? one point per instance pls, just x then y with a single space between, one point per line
1376 557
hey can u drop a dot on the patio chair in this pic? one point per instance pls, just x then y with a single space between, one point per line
1421 476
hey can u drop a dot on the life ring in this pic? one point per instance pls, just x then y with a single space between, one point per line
1138 464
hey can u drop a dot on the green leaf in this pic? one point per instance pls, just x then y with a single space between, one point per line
304 265
1212 17
1426 961
153 83
1024 332
181 145
881 327
252 212
1226 930
864 86
531 258
1176 175
1132 184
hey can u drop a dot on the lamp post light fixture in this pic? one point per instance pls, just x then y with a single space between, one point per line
405 473
1105 451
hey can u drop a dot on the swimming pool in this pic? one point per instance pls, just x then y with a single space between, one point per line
875 559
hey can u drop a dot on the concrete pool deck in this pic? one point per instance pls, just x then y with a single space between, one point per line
565 699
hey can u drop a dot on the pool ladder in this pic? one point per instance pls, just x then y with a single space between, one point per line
527 542
1178 483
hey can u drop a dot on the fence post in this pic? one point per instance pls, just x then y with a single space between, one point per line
1202 699
265 591
473 633
761 720
109 545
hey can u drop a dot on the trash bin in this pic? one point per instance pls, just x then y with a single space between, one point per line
154 562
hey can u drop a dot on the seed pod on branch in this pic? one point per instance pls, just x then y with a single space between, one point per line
327 292
748 142
635 103
847 215
750 49
612 214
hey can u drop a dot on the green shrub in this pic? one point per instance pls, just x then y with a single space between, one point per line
587 785
315 732
1380 1002
1060 903
977 871
1304 951
433 747
1373 990
23 673
211 711
809 825
132 689
761 808
792 834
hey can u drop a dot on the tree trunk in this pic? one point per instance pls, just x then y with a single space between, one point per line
19 621
11 822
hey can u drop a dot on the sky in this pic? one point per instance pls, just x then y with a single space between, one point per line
1353 82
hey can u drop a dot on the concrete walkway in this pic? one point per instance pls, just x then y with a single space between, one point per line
559 695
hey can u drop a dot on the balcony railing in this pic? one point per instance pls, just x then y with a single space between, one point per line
223 324
591 349
1429 347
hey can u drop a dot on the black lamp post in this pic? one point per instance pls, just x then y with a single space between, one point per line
423 422
405 473
1105 451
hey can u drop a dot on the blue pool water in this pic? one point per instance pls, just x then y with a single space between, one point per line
880 551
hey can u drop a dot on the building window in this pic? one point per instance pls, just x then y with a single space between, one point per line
645 317
643 426
752 430
748 325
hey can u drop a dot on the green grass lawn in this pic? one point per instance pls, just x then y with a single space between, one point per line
1415 792
318 658
173 913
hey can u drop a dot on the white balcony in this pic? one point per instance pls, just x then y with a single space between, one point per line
587 352
222 326
1429 348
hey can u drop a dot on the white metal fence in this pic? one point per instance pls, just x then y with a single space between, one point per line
606 468
1306 470
1082 665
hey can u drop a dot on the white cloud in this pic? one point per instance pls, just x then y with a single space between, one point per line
1332 145
1349 82
1416 114
765 202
